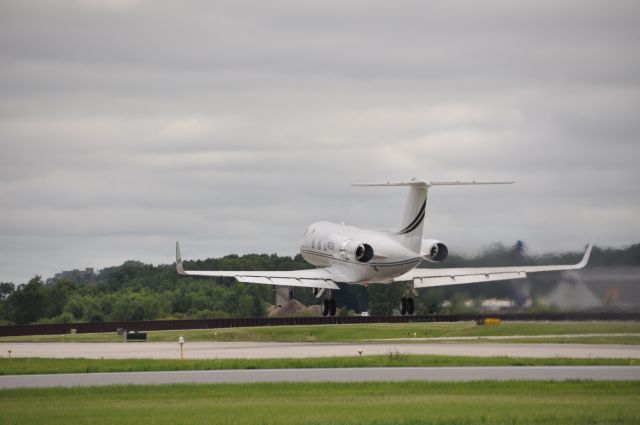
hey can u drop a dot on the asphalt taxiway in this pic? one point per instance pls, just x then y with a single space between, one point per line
447 374
270 350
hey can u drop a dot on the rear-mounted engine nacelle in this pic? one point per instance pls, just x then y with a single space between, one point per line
433 250
356 251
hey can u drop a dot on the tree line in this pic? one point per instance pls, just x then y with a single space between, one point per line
138 291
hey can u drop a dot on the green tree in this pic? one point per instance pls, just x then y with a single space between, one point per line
92 310
57 297
430 301
245 306
27 303
6 289
383 299
65 317
127 307
250 303
75 307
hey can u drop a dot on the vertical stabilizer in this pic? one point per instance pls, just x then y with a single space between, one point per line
410 233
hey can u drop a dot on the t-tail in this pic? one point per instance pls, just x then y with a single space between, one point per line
410 233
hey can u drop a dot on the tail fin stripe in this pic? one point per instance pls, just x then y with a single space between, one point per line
412 228
416 221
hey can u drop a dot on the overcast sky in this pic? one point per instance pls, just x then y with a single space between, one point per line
231 125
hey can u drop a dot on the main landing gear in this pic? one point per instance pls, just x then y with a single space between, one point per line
408 306
328 303
329 307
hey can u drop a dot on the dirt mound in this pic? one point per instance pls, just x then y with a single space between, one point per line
293 308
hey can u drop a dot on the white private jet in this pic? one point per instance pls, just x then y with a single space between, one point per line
357 256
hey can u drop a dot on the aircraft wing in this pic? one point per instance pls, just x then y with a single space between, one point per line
426 278
324 278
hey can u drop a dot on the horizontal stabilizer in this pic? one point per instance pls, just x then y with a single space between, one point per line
425 183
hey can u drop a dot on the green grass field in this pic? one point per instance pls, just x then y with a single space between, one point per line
330 403
370 332
20 366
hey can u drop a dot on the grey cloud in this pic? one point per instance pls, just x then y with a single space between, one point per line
127 124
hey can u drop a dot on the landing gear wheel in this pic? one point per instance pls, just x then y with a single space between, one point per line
332 307
325 307
403 309
410 306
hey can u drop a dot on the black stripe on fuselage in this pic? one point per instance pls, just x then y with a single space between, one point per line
394 263
416 221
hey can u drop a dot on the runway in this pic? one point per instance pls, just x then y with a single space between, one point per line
269 350
448 374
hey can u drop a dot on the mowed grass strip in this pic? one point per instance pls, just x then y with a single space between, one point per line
519 402
356 333
30 366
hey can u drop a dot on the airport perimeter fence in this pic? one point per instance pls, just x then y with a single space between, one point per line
165 325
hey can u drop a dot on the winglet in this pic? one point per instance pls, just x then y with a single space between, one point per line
179 267
585 257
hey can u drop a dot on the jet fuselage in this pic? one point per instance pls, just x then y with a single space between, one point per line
363 256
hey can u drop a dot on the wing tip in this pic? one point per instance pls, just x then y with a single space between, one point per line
179 267
586 256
